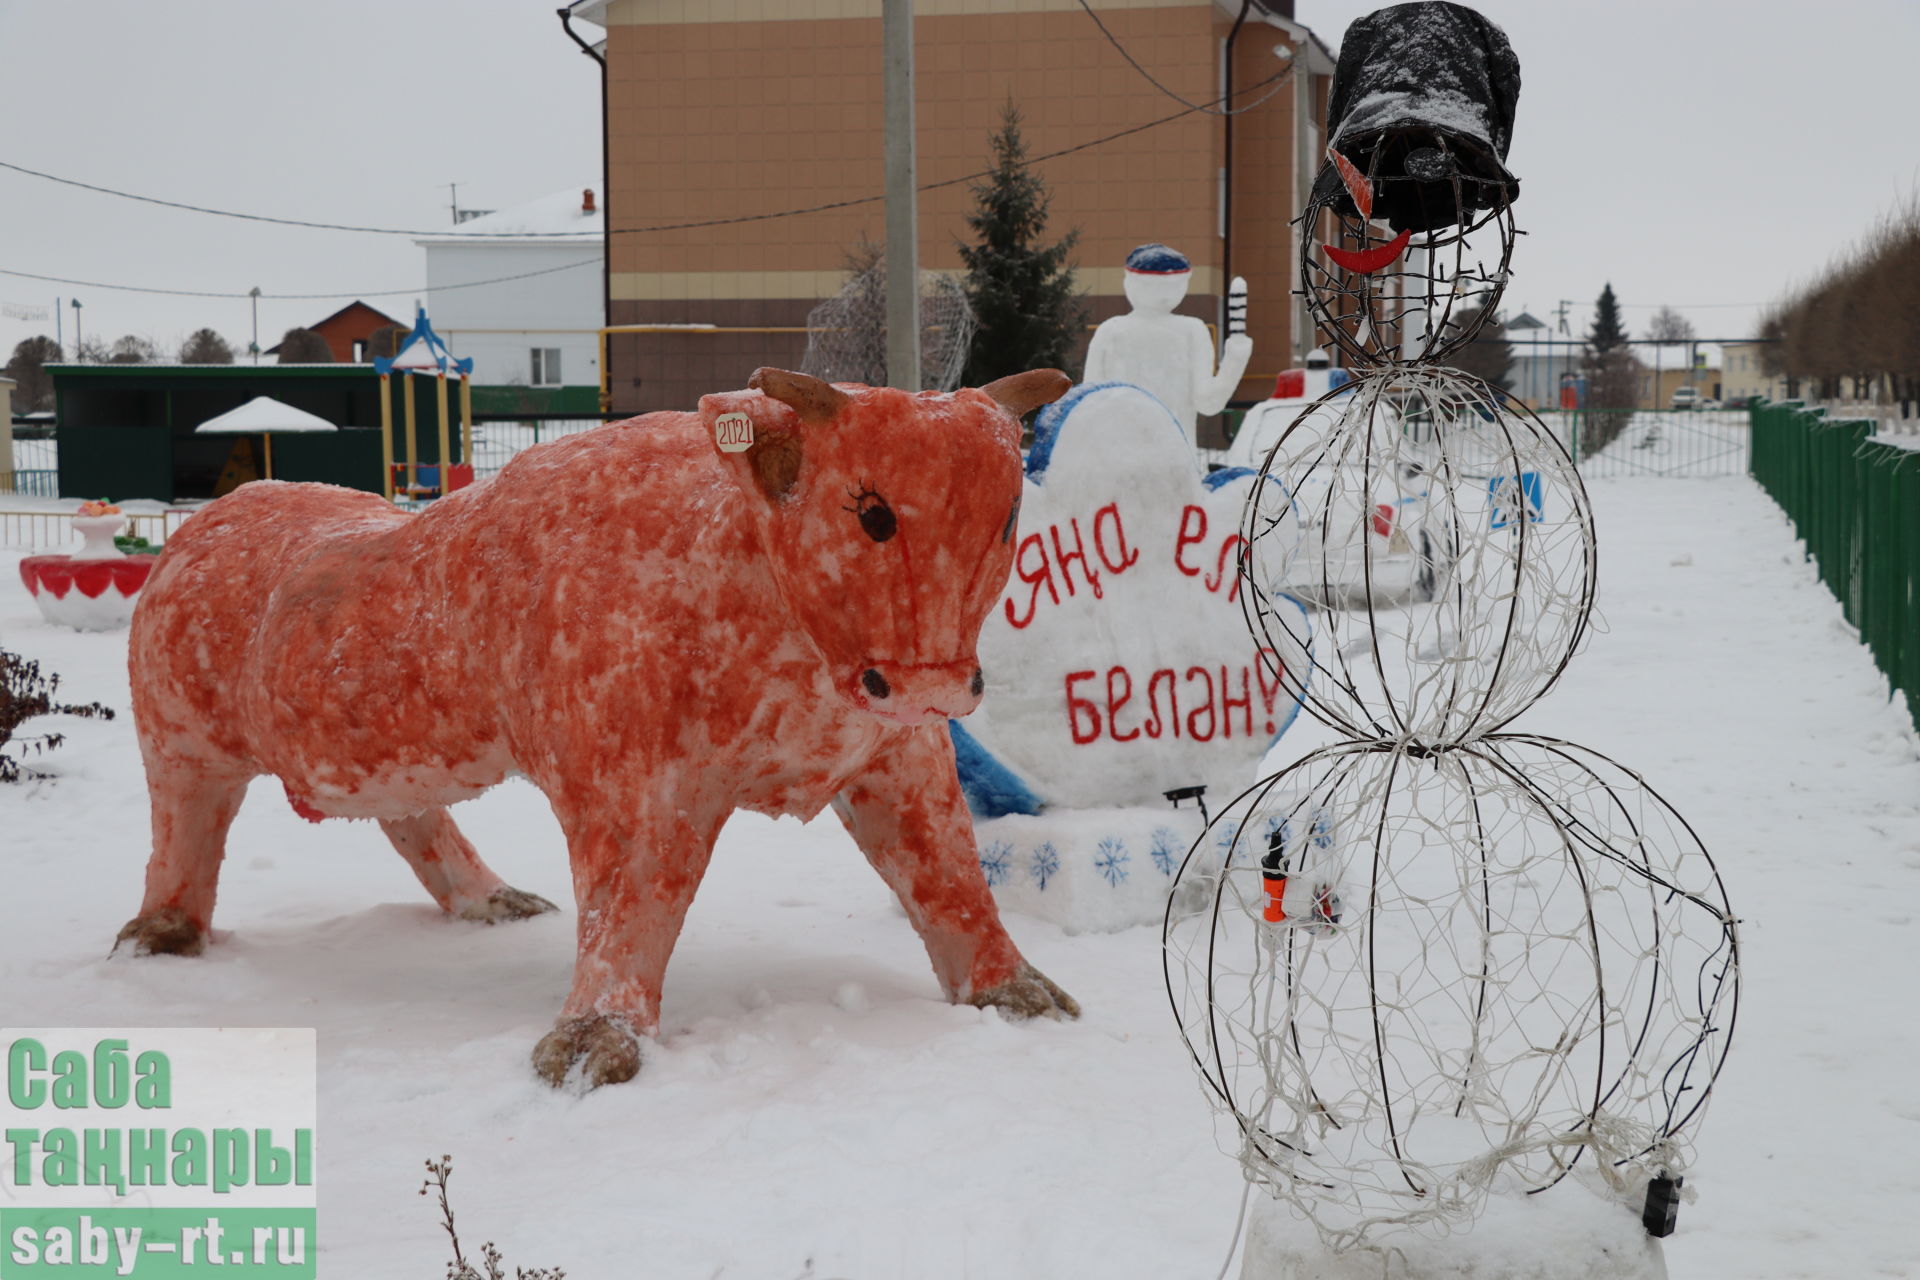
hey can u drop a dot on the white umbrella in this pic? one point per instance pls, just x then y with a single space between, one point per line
262 416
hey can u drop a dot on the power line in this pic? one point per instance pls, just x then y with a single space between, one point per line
1209 106
575 236
300 297
474 284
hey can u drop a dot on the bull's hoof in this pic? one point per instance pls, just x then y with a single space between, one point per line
1027 994
506 903
607 1048
167 932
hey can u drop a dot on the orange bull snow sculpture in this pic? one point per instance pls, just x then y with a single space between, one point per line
770 604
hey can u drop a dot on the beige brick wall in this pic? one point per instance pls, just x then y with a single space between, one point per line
725 108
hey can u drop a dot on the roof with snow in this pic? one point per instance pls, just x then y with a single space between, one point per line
260 415
560 216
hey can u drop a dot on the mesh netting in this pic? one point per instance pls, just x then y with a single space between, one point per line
1409 978
1442 537
847 334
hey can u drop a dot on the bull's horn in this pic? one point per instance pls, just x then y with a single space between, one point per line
812 399
1021 393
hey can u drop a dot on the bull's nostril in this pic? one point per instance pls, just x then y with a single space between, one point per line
978 684
875 683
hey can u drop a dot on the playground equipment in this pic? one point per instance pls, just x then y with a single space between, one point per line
425 352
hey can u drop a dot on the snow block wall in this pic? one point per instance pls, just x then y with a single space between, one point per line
1118 664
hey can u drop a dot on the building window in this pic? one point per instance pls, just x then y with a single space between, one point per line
546 367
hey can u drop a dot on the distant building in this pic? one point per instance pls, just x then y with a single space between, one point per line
1742 375
1666 367
534 338
730 109
347 331
1541 359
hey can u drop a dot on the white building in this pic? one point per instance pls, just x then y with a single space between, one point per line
539 329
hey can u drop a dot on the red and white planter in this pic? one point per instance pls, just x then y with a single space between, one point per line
93 589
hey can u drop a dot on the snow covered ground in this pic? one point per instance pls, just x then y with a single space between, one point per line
814 1109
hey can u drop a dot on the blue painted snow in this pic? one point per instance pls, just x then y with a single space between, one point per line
991 788
1157 260
1226 475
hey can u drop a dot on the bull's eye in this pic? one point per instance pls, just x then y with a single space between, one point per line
1013 518
875 516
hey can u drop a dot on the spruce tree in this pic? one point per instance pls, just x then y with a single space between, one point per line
1021 290
1613 376
1607 333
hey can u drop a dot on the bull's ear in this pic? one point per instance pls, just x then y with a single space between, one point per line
1021 393
815 401
758 439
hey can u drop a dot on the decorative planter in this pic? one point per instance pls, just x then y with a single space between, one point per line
93 589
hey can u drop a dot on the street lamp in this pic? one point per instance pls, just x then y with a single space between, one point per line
79 348
253 347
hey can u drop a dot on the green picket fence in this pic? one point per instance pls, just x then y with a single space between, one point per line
1855 503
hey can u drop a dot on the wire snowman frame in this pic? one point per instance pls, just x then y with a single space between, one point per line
1437 959
1446 541
1421 976
1448 278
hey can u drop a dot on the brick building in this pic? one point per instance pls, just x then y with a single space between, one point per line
723 108
347 330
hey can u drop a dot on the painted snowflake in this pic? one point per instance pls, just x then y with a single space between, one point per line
1166 851
996 862
1044 864
1111 859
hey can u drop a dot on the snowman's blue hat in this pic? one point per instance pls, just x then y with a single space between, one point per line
1157 260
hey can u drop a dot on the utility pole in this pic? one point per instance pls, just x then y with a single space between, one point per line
253 296
903 210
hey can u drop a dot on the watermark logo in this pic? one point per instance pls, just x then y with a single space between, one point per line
157 1152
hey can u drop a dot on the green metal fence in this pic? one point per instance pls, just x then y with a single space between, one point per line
1855 503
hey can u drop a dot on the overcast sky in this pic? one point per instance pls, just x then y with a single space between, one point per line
1698 153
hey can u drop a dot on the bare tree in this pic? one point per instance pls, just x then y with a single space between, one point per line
1854 329
132 349
384 343
304 346
28 368
1668 325
204 346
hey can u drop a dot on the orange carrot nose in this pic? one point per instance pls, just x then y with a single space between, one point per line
1276 890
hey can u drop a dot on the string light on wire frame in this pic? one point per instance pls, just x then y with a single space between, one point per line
1442 538
1411 980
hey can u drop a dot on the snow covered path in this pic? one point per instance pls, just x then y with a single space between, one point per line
814 1109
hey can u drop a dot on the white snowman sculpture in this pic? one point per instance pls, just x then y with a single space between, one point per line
1123 691
1170 355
